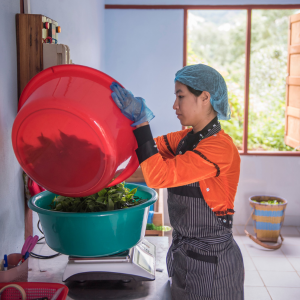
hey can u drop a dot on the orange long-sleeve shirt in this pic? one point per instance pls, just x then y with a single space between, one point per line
214 163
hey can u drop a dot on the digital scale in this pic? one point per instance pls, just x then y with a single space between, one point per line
137 263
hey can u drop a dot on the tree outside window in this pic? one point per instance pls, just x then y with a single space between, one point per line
217 38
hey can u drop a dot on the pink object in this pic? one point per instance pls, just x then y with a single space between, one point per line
29 244
34 188
69 136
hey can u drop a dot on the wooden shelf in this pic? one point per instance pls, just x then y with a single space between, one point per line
137 176
158 217
29 48
154 233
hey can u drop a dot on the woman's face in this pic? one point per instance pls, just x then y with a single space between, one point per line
190 108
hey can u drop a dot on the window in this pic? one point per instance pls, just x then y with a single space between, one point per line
268 71
248 45
218 38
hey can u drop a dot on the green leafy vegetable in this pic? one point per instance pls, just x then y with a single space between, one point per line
159 228
273 202
112 198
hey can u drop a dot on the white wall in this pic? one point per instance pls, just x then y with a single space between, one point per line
11 188
82 25
143 51
269 175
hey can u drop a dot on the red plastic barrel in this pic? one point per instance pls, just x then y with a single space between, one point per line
69 136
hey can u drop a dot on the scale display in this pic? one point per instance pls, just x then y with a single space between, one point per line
138 264
144 256
145 261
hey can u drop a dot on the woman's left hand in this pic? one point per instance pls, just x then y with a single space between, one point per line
134 108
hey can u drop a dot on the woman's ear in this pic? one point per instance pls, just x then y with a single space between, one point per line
205 97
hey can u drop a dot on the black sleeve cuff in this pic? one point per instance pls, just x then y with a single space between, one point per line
143 134
146 150
146 145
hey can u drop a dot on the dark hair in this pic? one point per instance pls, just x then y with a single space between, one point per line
193 91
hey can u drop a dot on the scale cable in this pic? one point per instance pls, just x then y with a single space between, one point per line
39 256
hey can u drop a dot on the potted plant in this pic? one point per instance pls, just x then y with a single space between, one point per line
268 216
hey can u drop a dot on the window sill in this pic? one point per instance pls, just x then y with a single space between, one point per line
270 153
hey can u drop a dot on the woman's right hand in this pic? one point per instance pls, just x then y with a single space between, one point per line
134 108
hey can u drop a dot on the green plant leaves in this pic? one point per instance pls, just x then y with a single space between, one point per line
210 31
110 204
151 226
108 199
273 202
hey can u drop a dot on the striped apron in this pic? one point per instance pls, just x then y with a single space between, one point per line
204 260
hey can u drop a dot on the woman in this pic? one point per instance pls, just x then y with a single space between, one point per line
200 167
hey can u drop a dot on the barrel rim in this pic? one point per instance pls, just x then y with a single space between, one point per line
32 205
271 196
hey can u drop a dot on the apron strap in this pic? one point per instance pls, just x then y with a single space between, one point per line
201 243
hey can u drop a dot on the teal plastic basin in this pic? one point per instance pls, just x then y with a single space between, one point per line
93 234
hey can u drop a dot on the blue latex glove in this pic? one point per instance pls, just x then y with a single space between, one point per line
134 108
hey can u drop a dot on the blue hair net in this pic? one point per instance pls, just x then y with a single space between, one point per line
204 78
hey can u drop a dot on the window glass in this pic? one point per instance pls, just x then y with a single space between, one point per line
268 71
217 38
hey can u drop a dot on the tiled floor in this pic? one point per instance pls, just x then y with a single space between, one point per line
271 274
